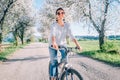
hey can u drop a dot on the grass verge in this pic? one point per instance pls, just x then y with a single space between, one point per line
9 50
109 58
91 49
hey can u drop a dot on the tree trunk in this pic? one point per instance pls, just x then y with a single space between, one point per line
22 41
0 38
101 39
0 48
0 41
16 40
21 36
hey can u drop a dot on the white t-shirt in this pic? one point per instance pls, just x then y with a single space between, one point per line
60 33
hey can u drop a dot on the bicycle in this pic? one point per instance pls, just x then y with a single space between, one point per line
65 70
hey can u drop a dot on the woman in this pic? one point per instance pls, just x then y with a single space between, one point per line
58 32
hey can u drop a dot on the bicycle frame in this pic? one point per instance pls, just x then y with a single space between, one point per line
63 65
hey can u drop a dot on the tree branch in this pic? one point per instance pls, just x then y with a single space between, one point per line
91 19
5 12
105 15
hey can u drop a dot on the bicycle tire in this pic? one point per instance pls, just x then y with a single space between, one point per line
72 72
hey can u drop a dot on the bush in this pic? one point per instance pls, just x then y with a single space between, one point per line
28 40
110 47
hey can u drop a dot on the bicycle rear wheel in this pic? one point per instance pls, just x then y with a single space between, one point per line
71 74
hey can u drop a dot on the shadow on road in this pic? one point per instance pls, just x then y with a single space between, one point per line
27 59
34 47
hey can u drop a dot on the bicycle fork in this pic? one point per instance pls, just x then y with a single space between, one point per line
68 72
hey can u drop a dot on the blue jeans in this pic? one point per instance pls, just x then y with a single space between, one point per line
54 61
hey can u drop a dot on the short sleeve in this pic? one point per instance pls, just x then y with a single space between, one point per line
69 32
52 30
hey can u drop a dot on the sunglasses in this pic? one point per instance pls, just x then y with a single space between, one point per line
58 13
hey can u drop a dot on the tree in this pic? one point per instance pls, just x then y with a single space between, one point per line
98 14
14 32
19 10
23 18
24 24
4 7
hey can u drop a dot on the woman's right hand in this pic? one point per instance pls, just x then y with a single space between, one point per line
55 46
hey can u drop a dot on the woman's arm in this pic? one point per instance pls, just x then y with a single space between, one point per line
77 44
54 43
53 38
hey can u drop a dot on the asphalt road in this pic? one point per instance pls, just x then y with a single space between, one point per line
31 63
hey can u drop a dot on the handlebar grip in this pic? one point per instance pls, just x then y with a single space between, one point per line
77 47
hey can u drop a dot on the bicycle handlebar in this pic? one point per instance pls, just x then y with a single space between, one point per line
67 49
71 48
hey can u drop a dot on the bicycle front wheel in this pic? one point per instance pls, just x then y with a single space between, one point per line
71 74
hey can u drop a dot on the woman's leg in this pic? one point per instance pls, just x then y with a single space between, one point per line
63 55
53 62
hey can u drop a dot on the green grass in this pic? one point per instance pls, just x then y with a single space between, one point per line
9 50
91 49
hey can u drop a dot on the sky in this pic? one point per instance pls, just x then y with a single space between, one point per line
77 29
38 3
